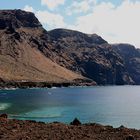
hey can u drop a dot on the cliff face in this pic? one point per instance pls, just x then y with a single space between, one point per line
89 55
131 57
20 59
17 19
30 53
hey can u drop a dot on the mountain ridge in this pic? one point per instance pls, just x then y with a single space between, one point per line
131 57
29 52
19 58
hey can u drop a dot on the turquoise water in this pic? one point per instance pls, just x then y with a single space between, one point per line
109 105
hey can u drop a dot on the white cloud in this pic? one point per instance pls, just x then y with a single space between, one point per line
52 4
115 24
28 8
81 6
50 19
77 7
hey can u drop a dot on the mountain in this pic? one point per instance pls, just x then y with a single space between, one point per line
20 55
131 57
88 55
30 53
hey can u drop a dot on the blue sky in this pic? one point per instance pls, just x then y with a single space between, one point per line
15 4
115 20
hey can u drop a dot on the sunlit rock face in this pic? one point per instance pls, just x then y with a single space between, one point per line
29 53
22 38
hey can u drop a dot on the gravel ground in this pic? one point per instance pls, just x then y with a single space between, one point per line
31 130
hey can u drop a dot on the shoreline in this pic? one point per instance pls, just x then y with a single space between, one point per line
32 85
11 129
26 85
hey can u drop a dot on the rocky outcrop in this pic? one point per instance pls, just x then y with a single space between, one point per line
28 53
21 59
75 122
36 84
131 57
4 116
12 19
89 55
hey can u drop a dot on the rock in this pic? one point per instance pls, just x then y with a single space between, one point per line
59 131
75 122
4 116
130 137
22 38
131 58
121 127
89 55
17 18
60 55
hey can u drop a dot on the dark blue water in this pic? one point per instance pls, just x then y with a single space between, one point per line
111 105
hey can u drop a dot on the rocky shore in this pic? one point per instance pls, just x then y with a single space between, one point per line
27 84
31 130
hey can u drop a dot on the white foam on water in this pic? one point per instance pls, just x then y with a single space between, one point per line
4 106
10 88
54 88
42 114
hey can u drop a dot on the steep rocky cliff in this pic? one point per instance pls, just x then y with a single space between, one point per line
131 57
89 55
20 57
29 53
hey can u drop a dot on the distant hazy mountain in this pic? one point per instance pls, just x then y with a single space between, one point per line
28 52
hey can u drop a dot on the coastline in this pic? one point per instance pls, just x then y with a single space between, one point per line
11 129
9 85
26 85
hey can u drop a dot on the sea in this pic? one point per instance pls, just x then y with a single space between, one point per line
106 105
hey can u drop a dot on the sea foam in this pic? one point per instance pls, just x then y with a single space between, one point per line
4 106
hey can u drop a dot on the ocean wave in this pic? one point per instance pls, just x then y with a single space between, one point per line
10 88
4 106
34 117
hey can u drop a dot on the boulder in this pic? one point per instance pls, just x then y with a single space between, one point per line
4 116
75 122
130 137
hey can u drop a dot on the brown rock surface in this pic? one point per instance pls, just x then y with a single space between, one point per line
89 55
4 116
29 53
131 57
23 130
20 57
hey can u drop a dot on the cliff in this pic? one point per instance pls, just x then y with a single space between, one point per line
29 53
20 56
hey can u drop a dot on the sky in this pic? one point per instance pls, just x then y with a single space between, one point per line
117 21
